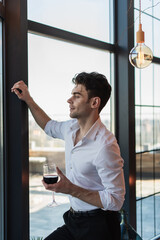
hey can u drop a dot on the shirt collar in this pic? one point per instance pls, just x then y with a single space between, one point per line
92 132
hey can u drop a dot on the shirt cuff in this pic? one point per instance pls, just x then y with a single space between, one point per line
47 127
111 202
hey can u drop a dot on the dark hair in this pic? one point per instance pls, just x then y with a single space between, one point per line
96 85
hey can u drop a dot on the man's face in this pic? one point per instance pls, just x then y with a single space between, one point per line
79 104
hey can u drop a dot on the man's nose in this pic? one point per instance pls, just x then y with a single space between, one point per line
69 100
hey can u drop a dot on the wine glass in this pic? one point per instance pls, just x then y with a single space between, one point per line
50 176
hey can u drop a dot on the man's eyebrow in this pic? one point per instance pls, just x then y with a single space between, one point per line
74 93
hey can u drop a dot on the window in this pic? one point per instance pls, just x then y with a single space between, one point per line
45 58
147 87
89 18
148 151
52 65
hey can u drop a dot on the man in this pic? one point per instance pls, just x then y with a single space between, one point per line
94 168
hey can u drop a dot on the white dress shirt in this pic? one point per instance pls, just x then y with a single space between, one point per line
94 163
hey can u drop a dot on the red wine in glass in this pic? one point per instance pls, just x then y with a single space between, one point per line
50 176
50 179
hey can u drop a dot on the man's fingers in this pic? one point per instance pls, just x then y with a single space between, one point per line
19 84
44 184
59 172
50 187
17 93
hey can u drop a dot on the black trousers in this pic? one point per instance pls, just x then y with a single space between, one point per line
104 225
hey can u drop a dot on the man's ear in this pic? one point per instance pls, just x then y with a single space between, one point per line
95 102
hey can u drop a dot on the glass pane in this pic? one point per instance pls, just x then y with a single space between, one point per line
145 185
147 24
157 190
138 129
157 217
138 175
146 164
1 139
137 86
145 6
156 9
157 128
157 171
144 86
145 218
156 38
147 174
147 128
156 84
52 65
85 17
139 217
148 218
147 86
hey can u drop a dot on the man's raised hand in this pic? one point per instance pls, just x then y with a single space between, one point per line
21 90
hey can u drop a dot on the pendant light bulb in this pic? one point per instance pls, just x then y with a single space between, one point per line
140 56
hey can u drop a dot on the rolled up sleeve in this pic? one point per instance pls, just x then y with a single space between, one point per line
56 129
109 165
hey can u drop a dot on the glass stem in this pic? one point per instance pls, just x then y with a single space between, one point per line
53 197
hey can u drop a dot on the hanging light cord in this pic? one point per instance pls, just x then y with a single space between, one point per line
139 11
131 2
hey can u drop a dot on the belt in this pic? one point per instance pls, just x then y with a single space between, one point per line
86 213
